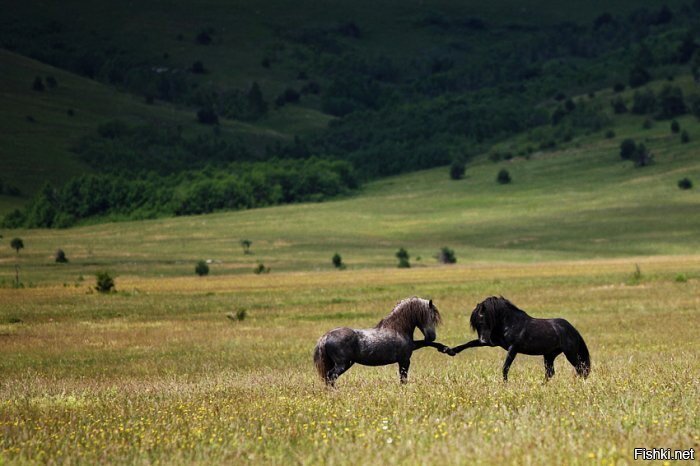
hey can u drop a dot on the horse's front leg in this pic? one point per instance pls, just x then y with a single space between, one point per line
471 344
509 360
418 344
403 369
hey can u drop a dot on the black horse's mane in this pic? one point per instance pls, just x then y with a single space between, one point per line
494 309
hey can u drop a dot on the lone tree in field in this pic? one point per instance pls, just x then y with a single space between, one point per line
38 84
503 177
675 127
457 170
60 256
245 244
685 137
627 149
201 268
446 256
685 183
338 261
105 282
643 157
17 244
261 269
403 257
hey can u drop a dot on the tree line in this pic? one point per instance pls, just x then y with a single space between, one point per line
239 185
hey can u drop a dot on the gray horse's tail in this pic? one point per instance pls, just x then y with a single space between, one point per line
321 359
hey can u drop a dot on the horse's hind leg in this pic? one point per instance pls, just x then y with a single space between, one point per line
403 370
337 370
549 365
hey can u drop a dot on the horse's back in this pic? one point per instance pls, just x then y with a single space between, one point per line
340 339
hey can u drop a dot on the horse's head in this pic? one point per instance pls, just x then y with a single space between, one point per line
431 319
482 320
411 313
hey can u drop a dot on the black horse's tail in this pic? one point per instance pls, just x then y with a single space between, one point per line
583 365
321 360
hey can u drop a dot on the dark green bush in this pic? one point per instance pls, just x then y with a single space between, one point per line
627 149
503 177
104 282
685 183
403 257
337 261
457 170
202 268
446 256
260 269
60 256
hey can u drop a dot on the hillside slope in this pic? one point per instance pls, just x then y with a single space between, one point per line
579 202
40 128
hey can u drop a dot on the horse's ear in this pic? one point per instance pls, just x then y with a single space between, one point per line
430 303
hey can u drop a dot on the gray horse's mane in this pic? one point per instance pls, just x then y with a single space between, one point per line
409 313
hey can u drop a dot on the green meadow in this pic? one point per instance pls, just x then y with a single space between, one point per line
156 373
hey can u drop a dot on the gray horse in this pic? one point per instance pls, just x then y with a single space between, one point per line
390 341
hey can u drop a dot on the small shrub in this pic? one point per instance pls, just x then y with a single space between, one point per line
627 149
403 257
681 278
38 84
338 261
447 256
618 87
618 105
685 183
70 112
207 116
261 269
203 38
30 118
685 137
457 170
609 134
241 314
245 244
503 177
51 82
202 268
643 157
647 124
636 275
675 127
60 256
198 67
104 282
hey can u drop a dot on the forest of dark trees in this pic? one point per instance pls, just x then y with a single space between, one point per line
391 116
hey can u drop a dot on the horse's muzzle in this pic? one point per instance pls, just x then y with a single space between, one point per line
429 334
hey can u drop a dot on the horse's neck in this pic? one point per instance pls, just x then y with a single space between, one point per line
515 317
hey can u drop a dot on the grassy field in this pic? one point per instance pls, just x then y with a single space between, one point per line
157 374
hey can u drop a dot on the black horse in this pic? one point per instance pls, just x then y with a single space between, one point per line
498 322
390 341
